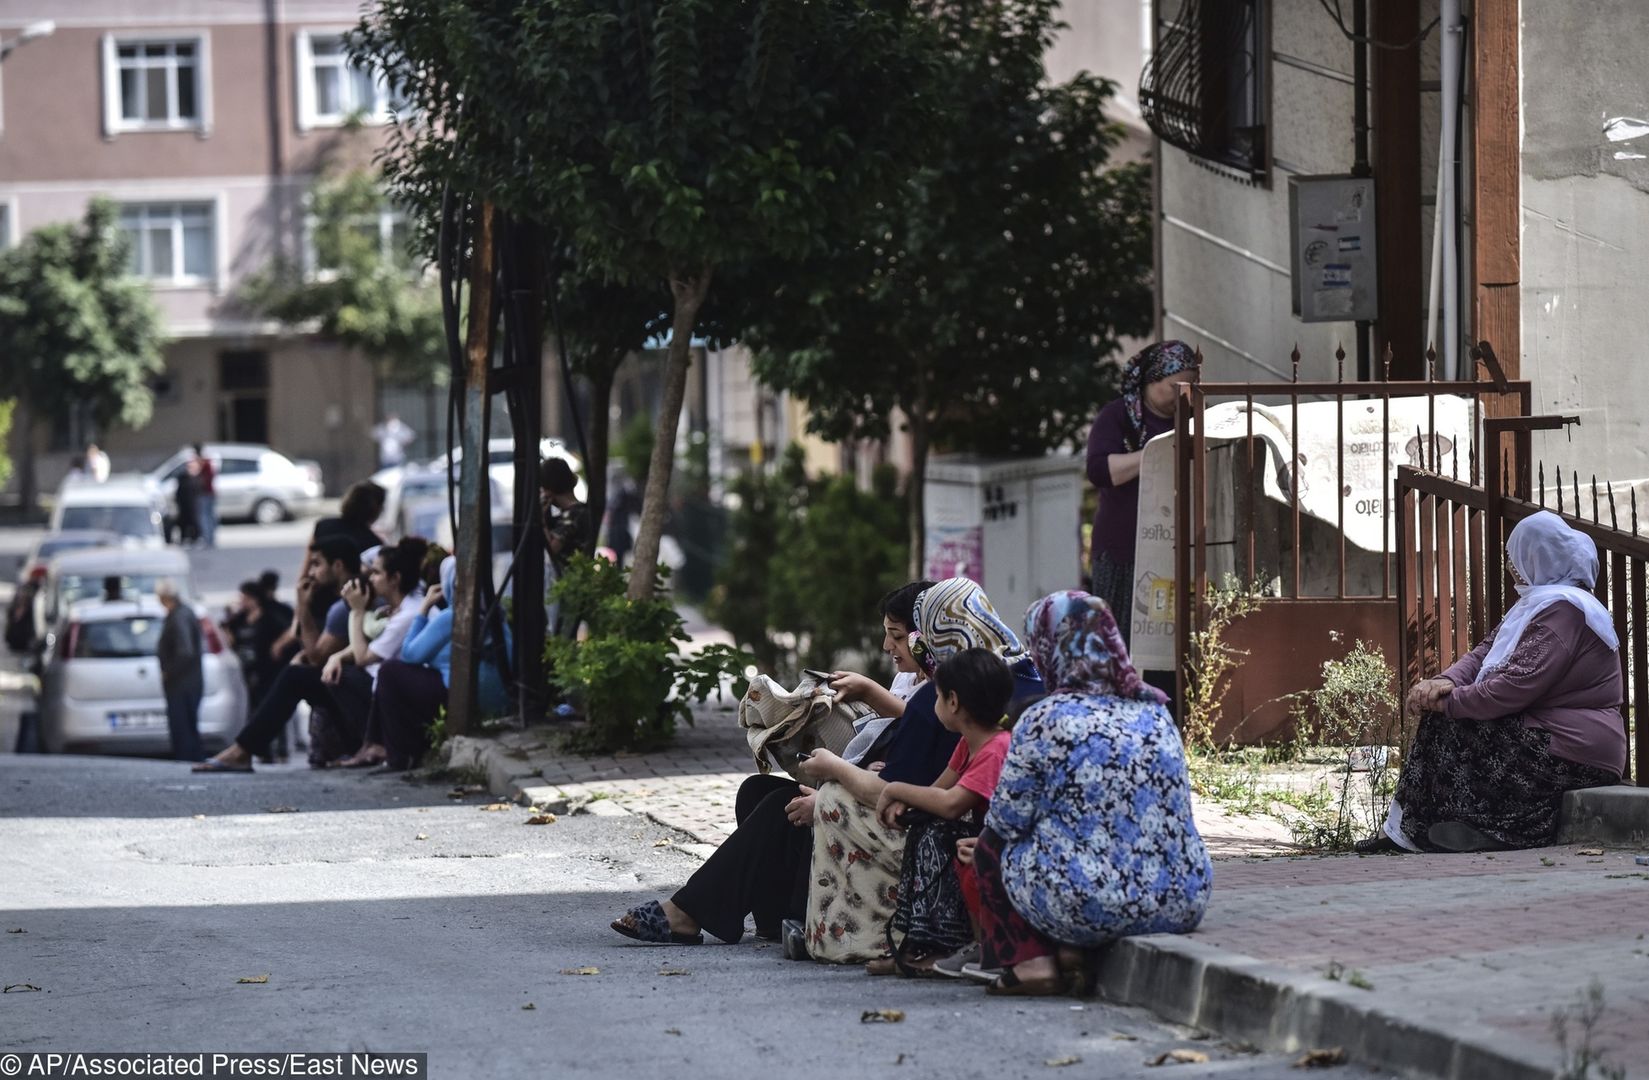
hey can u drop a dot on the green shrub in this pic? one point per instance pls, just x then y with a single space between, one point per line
629 674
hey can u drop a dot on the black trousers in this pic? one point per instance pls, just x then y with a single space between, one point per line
348 703
760 870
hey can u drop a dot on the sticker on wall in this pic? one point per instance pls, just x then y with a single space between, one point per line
1351 243
956 551
1337 276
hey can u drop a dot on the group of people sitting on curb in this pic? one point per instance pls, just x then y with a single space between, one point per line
369 649
1014 807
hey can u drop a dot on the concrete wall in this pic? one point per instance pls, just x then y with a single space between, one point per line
1586 230
1225 240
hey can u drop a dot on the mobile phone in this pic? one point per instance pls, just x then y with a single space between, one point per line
804 755
822 676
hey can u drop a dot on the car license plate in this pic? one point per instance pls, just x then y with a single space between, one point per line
123 721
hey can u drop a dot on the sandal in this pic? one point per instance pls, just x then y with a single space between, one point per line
648 923
1009 984
215 766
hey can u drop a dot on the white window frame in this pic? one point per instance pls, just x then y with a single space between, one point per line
116 124
375 112
388 217
179 279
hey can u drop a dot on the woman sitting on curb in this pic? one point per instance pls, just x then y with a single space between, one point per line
1532 712
1089 836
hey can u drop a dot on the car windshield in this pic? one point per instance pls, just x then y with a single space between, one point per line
75 587
58 545
110 639
125 520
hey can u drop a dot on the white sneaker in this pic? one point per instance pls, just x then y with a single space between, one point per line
980 974
952 965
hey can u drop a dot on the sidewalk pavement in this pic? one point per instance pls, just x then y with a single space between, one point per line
1438 965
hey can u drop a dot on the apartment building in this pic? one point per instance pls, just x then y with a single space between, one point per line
206 122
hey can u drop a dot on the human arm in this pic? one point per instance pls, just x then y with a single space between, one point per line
851 686
1535 668
863 784
944 799
360 649
426 637
1110 462
1015 803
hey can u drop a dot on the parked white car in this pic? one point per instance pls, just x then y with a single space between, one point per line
500 467
127 504
253 483
79 575
100 682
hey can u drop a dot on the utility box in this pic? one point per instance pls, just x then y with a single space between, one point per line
1011 524
1331 248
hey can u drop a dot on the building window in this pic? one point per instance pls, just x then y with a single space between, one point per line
387 233
155 85
170 243
333 90
5 227
1204 90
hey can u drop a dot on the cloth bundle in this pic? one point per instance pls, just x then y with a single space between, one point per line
781 724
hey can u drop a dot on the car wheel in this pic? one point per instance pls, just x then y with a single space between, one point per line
268 512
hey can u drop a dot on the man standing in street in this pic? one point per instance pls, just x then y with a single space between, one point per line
393 438
179 651
206 498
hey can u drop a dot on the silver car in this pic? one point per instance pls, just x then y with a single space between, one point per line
80 575
100 684
253 482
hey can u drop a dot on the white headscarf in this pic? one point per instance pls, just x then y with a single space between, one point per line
1558 564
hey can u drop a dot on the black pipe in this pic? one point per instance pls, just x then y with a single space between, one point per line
1360 166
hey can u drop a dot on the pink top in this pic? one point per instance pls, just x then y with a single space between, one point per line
1561 678
980 772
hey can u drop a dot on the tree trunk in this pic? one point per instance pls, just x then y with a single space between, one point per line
916 492
688 292
22 421
474 526
601 435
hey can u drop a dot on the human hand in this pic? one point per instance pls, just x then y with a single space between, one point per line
850 685
306 585
820 765
800 809
355 596
333 672
432 596
888 811
964 849
876 766
1428 695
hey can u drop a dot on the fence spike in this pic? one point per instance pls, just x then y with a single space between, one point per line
1340 362
1294 357
1431 363
1454 466
1542 468
1614 522
1387 359
1574 482
1634 492
1594 499
1506 473
1471 453
1420 440
1560 489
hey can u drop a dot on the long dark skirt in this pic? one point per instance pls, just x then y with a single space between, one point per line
1113 582
931 914
1494 775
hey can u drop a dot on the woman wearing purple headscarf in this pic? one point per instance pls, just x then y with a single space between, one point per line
1115 450
1532 712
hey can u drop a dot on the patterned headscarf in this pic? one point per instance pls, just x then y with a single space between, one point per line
1151 364
1076 645
955 615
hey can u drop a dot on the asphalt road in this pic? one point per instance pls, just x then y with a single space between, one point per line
389 917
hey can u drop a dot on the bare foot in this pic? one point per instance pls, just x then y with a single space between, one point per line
680 921
1041 967
233 755
370 754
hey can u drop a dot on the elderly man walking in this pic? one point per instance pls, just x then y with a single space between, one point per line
179 651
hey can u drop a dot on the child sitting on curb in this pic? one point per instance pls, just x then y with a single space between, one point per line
974 688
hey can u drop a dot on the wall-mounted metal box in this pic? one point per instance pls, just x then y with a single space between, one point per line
1331 248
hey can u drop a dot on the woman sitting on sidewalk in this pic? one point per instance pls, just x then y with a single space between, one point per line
761 869
1089 835
853 883
1532 712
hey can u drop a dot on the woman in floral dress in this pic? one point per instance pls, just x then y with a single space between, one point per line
1089 837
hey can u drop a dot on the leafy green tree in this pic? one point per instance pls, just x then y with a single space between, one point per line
989 292
671 141
355 288
76 331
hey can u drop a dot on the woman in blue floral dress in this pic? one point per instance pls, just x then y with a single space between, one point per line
1089 837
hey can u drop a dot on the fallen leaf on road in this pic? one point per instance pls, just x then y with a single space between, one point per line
495 807
1321 1059
666 842
581 971
200 817
281 809
254 980
1590 851
1061 1062
21 988
673 971
1546 862
672 1031
1124 1037
19 930
900 1060
882 1016
464 791
541 819
529 1007
1179 1057
421 836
